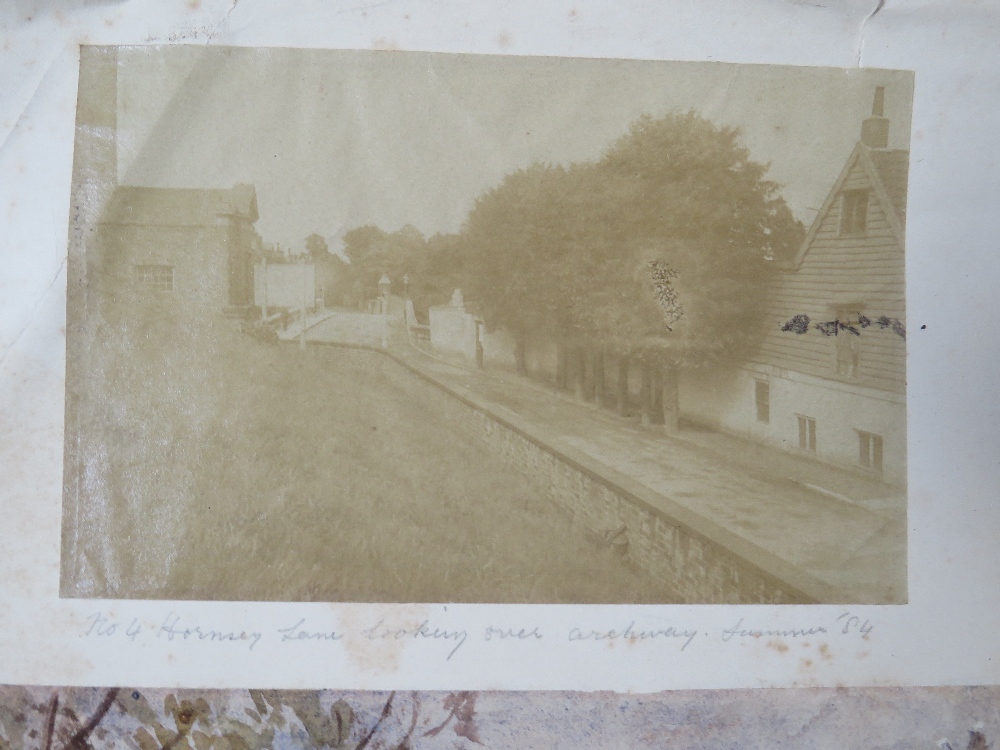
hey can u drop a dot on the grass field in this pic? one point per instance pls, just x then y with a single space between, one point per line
262 472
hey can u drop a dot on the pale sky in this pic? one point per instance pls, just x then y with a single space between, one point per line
337 139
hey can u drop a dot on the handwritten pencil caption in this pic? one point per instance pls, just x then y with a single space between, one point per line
174 629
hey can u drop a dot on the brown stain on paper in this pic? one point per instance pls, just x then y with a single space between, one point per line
380 654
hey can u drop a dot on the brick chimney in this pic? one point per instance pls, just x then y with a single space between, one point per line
875 129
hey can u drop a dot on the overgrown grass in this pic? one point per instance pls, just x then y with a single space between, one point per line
257 472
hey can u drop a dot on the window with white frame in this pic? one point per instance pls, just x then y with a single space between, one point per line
762 400
870 450
807 433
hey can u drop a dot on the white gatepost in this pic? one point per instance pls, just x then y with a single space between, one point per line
302 309
263 277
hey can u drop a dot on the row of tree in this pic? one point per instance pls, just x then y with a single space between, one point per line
662 249
658 255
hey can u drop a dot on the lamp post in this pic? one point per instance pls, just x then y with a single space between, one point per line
302 311
406 301
263 284
384 285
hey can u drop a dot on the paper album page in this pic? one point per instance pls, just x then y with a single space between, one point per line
406 347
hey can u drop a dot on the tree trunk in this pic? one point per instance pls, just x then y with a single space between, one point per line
580 373
521 354
589 374
656 416
600 396
646 393
621 386
671 399
562 357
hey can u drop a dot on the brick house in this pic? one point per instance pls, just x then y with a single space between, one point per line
840 397
194 247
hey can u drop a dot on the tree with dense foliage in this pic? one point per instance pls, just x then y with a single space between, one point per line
374 252
675 213
433 267
519 240
332 273
316 246
662 251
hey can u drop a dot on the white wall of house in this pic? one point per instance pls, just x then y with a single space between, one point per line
727 400
286 284
453 331
499 349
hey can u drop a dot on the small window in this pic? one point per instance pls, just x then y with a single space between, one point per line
762 398
160 278
870 450
854 212
807 433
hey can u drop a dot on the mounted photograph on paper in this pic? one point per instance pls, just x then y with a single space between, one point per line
415 327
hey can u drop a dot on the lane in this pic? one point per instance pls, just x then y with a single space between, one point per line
857 548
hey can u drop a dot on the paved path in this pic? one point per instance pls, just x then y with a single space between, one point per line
295 328
843 528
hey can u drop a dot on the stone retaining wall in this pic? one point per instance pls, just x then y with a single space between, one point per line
697 568
702 561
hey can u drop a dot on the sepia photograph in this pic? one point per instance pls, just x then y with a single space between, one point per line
385 326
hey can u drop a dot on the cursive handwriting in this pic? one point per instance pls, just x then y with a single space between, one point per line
855 623
171 630
103 626
107 627
738 631
296 633
511 634
380 632
629 633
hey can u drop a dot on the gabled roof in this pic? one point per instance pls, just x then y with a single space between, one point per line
893 167
887 171
176 207
243 199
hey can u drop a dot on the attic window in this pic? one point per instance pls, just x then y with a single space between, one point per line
854 212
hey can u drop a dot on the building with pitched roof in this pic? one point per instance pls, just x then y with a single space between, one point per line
829 377
193 247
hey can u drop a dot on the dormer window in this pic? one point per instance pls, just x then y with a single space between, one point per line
854 212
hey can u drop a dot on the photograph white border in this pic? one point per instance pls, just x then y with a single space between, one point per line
945 635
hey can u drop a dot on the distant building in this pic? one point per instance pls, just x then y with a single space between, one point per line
194 247
842 397
285 286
